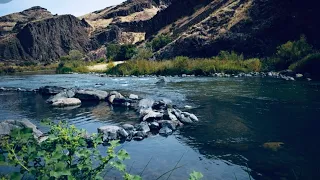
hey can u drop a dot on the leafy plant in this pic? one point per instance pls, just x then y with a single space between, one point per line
66 154
293 51
118 52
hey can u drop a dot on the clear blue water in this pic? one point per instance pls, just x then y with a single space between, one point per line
237 115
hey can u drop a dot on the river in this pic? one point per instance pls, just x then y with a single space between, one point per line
237 116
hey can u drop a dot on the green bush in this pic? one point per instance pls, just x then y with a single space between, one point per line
230 56
293 51
160 41
185 65
310 64
75 55
143 54
121 52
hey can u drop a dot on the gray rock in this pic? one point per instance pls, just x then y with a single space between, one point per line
112 132
65 94
163 80
299 75
50 90
192 116
171 115
133 97
309 79
123 133
7 126
63 102
91 95
114 95
154 126
152 115
143 126
145 103
128 127
165 131
139 135
170 124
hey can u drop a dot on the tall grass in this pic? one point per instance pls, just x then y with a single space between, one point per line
10 68
184 65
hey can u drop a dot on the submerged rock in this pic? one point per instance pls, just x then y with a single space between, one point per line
91 95
165 131
274 146
50 90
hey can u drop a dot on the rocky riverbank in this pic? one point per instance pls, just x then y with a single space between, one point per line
153 116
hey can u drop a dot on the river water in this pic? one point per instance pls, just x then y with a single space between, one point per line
237 116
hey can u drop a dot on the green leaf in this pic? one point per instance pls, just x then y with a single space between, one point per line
131 177
58 174
195 176
123 155
98 178
2 158
15 176
118 165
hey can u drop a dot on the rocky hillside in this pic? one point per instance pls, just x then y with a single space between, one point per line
201 27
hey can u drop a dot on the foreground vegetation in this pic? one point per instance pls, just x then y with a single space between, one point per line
185 65
66 154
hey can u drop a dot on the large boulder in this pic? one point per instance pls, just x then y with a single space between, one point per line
91 95
51 90
112 132
63 102
165 131
145 103
170 124
151 115
115 95
7 126
143 126
65 94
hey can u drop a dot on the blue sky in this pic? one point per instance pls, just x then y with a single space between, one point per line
75 7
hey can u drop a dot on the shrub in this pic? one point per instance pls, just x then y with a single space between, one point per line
293 51
160 41
230 56
310 64
143 54
75 55
121 52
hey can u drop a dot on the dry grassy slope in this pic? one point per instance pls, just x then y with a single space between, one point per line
254 27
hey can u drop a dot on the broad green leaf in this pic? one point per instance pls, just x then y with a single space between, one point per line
131 177
123 155
195 176
58 174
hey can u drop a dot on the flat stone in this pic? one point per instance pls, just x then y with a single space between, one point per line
63 102
143 126
50 90
133 97
91 95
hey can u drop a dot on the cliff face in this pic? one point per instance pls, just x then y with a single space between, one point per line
46 40
201 27
13 22
252 27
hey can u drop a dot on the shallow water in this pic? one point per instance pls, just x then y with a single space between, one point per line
237 115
